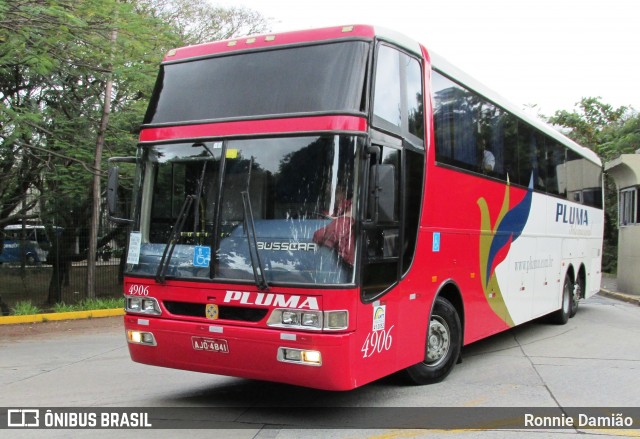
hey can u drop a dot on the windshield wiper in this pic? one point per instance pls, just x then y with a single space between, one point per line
250 231
256 263
176 231
196 214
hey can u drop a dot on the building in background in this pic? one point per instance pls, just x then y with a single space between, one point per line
625 170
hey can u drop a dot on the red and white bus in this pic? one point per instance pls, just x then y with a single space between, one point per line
327 207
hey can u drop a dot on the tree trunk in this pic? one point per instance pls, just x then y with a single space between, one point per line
97 165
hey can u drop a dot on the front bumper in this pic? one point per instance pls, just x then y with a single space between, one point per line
254 353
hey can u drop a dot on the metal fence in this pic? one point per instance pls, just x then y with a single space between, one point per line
55 270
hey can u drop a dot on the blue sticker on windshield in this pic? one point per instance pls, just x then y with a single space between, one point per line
201 256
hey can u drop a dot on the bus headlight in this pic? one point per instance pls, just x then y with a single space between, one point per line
290 318
142 305
309 320
336 320
141 337
295 319
300 356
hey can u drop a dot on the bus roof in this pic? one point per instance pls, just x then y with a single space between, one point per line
370 32
270 40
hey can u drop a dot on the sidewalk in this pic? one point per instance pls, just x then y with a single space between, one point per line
73 315
609 288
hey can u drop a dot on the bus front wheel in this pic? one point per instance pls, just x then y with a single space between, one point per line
444 341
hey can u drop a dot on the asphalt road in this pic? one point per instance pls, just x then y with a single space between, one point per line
592 361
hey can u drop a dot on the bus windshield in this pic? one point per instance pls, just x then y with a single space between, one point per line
310 79
288 200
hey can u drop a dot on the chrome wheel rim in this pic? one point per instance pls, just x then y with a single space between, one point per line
438 341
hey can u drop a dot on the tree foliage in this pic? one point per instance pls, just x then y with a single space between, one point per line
198 21
53 65
55 57
599 126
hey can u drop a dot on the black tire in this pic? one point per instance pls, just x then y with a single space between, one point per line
561 316
578 291
444 341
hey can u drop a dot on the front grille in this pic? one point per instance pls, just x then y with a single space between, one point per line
237 313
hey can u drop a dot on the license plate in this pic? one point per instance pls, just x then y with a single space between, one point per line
210 344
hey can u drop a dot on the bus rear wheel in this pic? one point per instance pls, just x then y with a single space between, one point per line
444 341
561 316
577 293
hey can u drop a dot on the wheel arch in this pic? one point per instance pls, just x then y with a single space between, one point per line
451 291
447 316
571 273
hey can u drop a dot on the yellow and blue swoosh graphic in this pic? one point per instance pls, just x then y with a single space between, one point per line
495 240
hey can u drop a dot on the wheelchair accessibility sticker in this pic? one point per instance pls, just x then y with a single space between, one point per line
201 256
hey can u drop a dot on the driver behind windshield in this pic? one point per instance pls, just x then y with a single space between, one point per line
338 234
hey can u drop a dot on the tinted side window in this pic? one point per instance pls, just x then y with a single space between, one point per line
491 138
413 183
398 97
474 134
509 128
553 162
527 144
582 181
382 238
387 104
453 120
415 97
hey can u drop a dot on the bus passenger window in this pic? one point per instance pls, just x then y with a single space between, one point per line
455 123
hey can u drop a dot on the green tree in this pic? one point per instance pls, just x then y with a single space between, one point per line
198 21
594 124
56 59
54 66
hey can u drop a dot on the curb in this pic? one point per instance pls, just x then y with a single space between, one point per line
37 318
73 315
629 298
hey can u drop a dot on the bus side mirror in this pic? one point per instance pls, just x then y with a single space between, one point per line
112 191
382 193
113 184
